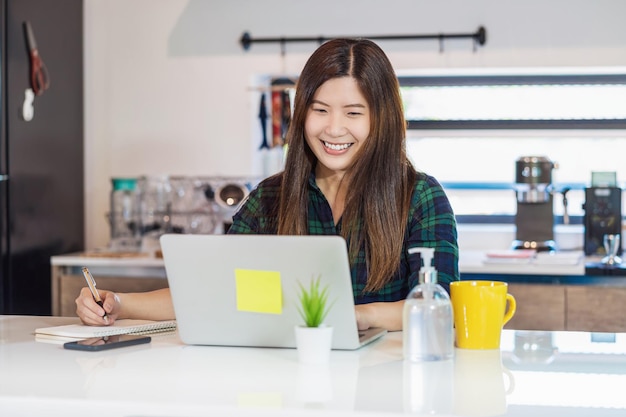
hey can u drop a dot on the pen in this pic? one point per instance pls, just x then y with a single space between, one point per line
91 283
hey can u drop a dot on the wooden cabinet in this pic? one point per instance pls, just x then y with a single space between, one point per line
539 307
596 308
120 275
591 308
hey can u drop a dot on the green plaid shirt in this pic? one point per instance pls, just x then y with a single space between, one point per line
431 224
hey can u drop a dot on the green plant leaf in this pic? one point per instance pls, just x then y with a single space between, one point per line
313 306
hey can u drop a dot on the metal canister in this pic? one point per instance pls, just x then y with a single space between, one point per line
533 179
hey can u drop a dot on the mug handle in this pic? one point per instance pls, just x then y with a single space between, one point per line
512 306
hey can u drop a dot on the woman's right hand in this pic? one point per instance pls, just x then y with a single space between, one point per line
91 313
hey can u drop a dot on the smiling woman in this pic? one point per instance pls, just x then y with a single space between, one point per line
347 174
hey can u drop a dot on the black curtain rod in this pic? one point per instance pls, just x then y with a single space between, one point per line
479 37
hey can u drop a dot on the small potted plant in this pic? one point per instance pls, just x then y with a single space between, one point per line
314 338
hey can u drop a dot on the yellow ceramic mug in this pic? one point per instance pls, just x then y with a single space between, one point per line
480 312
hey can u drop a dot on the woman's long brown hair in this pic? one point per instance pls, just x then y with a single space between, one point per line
381 179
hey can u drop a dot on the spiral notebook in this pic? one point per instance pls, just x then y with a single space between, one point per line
126 326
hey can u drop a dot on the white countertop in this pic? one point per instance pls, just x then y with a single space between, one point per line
470 261
142 265
80 259
535 373
565 263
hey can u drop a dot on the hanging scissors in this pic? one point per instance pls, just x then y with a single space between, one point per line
39 80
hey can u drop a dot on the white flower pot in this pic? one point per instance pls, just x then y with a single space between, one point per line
314 344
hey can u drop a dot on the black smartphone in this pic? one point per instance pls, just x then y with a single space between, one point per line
96 344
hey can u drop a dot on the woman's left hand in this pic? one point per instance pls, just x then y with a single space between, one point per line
387 315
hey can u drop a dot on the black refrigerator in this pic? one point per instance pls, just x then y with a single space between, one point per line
41 148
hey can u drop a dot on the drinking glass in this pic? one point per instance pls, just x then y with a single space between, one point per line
611 246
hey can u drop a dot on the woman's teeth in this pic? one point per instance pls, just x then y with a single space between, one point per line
337 147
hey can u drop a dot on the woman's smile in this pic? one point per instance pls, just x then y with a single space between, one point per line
336 147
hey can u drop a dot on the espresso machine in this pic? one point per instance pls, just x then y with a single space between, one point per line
534 219
603 217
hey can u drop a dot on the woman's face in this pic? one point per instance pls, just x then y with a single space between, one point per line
337 124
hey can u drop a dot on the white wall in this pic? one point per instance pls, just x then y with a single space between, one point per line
168 86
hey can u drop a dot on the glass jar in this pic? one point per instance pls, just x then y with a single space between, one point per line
155 193
124 215
192 210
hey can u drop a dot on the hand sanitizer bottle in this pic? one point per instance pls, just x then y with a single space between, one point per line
428 333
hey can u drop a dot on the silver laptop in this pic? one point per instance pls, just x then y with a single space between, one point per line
242 290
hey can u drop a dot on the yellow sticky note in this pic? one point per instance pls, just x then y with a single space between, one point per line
259 291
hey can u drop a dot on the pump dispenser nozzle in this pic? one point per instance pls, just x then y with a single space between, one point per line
428 273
